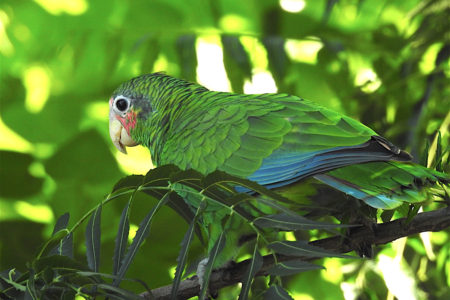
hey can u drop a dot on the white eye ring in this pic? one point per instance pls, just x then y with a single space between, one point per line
121 104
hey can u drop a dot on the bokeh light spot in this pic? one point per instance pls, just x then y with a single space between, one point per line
427 63
6 47
293 6
303 50
57 7
233 23
37 213
368 80
210 70
262 82
132 232
37 83
9 140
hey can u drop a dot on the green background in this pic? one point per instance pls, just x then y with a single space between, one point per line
385 63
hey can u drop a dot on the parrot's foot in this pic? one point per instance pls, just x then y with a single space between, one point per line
201 269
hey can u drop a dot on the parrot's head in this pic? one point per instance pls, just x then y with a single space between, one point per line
129 106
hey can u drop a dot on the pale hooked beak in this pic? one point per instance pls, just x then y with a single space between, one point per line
119 135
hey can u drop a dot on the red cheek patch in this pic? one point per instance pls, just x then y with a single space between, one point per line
129 122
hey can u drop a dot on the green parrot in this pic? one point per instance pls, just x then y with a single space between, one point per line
275 140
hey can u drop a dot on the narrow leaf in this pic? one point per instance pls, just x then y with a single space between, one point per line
58 262
292 267
213 254
129 182
187 55
182 258
116 291
183 255
254 266
302 248
61 223
121 241
141 235
292 222
52 242
93 240
276 292
64 247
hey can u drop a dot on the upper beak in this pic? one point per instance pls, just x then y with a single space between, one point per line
119 134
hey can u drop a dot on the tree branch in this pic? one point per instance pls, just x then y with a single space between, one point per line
383 233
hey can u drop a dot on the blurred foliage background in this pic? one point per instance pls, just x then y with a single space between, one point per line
385 63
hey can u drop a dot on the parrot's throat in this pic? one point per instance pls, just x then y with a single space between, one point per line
129 122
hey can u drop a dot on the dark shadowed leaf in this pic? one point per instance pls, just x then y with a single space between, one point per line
150 54
276 292
93 235
278 59
60 263
302 248
121 241
61 223
254 266
187 56
65 245
52 242
213 254
292 222
236 62
291 268
117 293
183 255
141 235
129 182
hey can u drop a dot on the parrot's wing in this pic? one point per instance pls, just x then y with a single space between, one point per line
273 139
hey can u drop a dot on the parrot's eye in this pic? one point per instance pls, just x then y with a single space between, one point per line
121 104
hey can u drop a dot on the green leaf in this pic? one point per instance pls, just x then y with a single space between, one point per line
65 245
302 248
187 55
58 262
254 266
129 182
141 235
115 292
276 292
291 268
31 288
150 54
121 241
277 57
183 255
93 235
52 242
292 222
215 251
10 280
236 62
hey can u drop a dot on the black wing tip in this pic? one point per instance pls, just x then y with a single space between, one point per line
400 155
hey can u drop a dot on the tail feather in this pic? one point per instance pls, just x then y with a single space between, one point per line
385 185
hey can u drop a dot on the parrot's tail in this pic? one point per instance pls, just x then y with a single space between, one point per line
387 185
